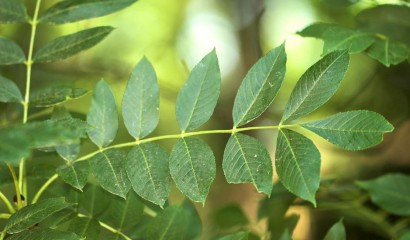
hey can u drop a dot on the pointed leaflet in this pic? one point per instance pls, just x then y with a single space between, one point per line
260 86
85 227
10 52
148 163
298 164
48 97
44 234
75 174
246 160
126 214
72 44
12 11
391 192
140 104
34 213
108 168
315 30
197 99
77 10
9 92
317 85
336 232
354 130
388 51
192 166
102 116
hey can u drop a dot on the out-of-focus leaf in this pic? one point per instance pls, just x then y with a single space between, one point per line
405 236
126 214
59 218
12 11
102 116
317 85
336 232
109 169
197 99
44 234
10 52
315 30
192 166
298 164
148 163
194 227
140 104
235 236
9 92
14 145
72 44
75 174
340 38
354 130
246 160
85 227
77 10
93 201
52 96
230 216
34 213
260 86
388 52
286 235
391 192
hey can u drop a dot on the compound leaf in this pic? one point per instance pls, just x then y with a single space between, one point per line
148 164
12 11
85 227
260 86
102 116
34 214
246 160
9 92
336 232
317 85
192 166
72 44
298 164
140 104
52 96
10 52
197 99
388 52
354 130
109 169
44 234
77 10
391 192
75 174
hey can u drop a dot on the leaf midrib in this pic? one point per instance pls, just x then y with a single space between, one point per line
114 173
192 166
246 162
168 225
149 173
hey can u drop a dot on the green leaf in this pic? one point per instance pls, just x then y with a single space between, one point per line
77 10
126 214
9 92
44 234
315 30
340 38
317 85
388 52
59 218
354 130
140 104
85 227
109 169
53 96
102 116
391 192
192 166
34 213
405 235
298 164
72 44
14 145
93 201
336 232
194 226
148 164
198 97
75 174
235 236
230 216
246 160
260 86
10 52
12 11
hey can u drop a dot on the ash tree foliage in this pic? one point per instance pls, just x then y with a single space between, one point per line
132 180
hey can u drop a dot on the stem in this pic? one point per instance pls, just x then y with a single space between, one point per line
3 234
16 185
149 212
7 202
44 187
5 215
108 227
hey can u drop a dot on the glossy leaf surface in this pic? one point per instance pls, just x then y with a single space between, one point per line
140 103
192 166
260 86
12 11
10 52
298 164
317 85
102 116
246 160
198 96
148 164
9 92
354 130
72 44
